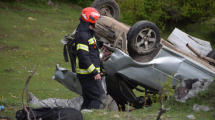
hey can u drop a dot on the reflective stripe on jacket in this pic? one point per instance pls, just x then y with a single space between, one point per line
87 54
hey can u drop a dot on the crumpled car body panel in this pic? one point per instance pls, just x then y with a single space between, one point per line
68 79
165 63
123 72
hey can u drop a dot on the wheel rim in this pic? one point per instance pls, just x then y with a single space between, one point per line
107 10
146 39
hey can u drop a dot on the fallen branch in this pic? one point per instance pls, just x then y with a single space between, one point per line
162 109
23 95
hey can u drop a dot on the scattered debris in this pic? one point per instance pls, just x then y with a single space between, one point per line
86 110
180 39
190 87
117 116
168 116
30 18
14 48
14 96
8 70
197 107
191 117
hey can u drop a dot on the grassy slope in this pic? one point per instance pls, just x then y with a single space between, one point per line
25 43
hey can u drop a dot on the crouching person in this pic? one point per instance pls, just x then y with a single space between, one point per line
88 61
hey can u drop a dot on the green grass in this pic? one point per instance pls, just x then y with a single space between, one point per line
25 43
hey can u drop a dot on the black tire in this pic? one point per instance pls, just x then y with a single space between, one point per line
108 8
143 37
211 54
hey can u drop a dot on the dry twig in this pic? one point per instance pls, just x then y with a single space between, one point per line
23 95
162 109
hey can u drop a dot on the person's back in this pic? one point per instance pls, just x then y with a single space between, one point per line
88 61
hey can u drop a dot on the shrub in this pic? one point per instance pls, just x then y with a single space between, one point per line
167 12
136 10
84 3
204 30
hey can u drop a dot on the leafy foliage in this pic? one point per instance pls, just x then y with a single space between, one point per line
167 12
204 30
136 10
166 91
27 1
84 3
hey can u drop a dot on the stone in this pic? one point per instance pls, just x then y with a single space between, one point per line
76 102
189 88
190 117
197 108
205 108
86 110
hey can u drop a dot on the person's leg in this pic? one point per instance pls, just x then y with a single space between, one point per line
93 94
86 101
98 98
85 82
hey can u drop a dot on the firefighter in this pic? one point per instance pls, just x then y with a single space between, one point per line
88 61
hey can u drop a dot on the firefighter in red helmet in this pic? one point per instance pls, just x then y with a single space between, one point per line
88 61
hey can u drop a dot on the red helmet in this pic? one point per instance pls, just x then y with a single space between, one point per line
90 14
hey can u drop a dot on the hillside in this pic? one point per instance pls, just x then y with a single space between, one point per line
30 36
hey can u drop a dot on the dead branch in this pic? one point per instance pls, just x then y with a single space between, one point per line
162 109
23 95
4 6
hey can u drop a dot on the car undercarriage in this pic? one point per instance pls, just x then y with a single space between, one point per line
135 56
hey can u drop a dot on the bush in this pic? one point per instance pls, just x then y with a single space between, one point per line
136 10
204 30
167 12
84 3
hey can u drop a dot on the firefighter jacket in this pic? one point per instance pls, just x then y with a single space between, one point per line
87 52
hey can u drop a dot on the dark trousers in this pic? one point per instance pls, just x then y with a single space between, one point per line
92 92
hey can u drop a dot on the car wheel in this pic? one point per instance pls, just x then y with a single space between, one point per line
108 8
143 37
211 54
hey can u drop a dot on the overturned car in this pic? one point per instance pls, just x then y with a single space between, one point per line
135 56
